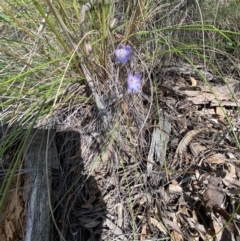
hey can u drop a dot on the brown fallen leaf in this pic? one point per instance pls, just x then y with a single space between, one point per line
88 222
120 215
223 103
194 81
203 233
177 236
218 226
217 158
125 107
143 233
229 181
206 96
107 153
156 223
220 116
196 149
190 90
174 188
172 225
115 229
220 112
184 143
214 195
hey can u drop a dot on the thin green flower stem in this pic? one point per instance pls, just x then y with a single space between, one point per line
104 32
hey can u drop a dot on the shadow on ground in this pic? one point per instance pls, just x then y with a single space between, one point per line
80 207
77 208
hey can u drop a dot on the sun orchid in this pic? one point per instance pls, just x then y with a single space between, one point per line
123 54
133 82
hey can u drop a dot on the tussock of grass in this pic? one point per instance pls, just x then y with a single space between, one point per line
58 72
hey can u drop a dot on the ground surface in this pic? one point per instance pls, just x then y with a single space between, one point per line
178 178
162 164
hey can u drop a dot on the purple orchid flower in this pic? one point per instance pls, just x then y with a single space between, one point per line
123 54
133 82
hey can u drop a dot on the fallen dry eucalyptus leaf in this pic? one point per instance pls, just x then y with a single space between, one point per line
116 230
184 143
217 158
229 181
190 90
120 215
177 236
203 233
193 81
125 108
107 153
206 97
88 222
143 233
218 226
172 225
156 223
232 170
214 194
174 189
196 149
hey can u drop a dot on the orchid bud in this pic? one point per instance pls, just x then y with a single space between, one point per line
113 23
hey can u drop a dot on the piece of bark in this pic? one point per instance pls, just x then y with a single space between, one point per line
40 156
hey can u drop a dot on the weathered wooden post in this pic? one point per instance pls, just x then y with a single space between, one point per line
40 156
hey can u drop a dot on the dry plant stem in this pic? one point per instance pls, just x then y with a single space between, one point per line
63 10
134 23
101 108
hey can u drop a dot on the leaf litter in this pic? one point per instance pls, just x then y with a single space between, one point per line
176 178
